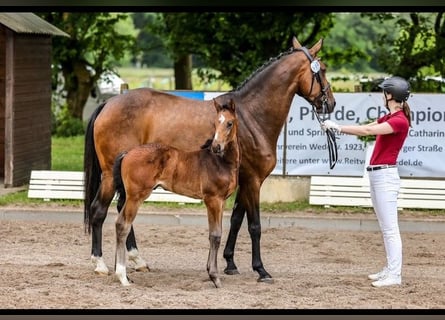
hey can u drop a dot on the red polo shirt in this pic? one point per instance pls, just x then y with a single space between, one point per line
387 146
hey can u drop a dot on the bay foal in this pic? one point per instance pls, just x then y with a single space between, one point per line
210 174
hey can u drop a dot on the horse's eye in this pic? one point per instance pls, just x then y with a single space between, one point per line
229 125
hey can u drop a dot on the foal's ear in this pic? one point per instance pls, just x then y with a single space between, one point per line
228 106
218 107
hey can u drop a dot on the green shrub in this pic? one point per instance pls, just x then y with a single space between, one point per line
65 125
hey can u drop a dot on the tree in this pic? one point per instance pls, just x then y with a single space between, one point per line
93 47
153 52
234 43
417 48
439 37
350 43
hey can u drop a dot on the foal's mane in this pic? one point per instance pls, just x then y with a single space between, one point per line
207 144
264 66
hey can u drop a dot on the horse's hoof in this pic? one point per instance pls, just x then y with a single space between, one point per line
142 269
139 263
216 282
265 280
124 281
231 272
101 268
102 272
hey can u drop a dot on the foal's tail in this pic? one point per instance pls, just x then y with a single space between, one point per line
91 168
118 183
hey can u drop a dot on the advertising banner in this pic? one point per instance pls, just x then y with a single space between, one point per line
304 151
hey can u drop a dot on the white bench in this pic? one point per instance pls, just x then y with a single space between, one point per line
49 184
354 191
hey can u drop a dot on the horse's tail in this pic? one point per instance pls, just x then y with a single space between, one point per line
91 168
118 183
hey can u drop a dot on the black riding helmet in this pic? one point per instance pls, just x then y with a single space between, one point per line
397 86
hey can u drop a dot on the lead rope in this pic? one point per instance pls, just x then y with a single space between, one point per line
332 143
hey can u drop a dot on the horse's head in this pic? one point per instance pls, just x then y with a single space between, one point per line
226 125
316 88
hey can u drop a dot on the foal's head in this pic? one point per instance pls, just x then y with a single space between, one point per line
226 125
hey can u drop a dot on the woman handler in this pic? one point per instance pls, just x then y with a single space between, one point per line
391 131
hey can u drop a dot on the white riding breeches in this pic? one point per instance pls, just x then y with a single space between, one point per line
384 187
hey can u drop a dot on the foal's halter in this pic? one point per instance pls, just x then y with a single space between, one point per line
331 139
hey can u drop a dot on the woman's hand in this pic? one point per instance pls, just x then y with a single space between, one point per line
329 124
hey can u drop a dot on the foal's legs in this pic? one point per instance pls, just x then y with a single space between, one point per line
99 209
133 252
123 226
215 207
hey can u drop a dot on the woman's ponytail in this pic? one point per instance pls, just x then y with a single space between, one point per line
407 111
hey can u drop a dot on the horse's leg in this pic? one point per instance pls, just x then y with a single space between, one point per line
247 200
236 220
251 200
215 207
99 208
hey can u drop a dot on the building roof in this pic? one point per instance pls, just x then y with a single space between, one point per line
24 22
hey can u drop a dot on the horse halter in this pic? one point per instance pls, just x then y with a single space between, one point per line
315 67
330 134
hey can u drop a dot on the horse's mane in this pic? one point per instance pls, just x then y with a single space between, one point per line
264 66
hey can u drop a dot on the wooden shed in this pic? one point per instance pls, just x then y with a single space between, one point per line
25 96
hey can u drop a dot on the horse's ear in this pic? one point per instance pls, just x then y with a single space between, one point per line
316 47
231 105
295 43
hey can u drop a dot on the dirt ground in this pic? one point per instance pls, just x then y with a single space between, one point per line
47 265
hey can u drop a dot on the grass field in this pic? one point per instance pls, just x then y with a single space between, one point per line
67 153
163 79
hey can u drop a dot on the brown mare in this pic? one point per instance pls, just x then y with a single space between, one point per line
210 174
144 115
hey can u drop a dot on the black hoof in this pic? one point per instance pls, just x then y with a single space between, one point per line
231 272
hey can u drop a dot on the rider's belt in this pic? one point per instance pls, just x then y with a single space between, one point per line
383 166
